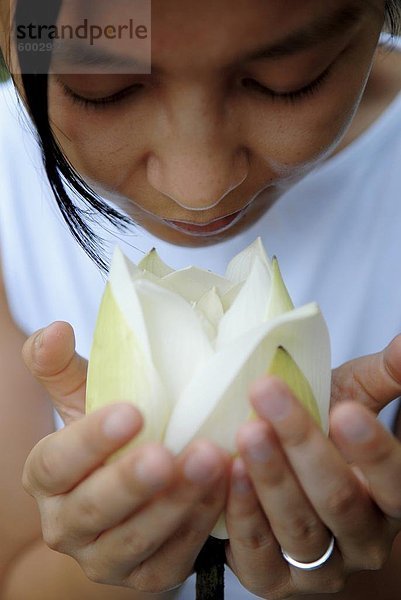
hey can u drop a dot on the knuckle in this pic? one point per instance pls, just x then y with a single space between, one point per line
136 544
93 573
94 566
258 540
90 512
151 580
298 435
54 534
275 476
331 584
54 538
334 584
392 507
302 529
144 581
342 500
375 557
213 499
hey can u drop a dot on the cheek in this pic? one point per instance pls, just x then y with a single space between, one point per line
291 138
108 147
296 137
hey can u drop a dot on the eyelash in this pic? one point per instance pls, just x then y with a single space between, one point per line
99 103
290 97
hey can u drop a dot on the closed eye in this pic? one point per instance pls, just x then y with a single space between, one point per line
102 102
291 96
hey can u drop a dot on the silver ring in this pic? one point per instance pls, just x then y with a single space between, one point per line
311 565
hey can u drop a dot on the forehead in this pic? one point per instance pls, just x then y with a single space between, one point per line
189 33
221 30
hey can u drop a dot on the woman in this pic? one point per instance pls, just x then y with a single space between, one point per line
210 134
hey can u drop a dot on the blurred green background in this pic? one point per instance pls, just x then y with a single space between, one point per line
4 75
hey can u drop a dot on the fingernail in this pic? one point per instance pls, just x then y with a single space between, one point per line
272 403
201 465
356 428
258 448
119 423
241 484
153 470
38 340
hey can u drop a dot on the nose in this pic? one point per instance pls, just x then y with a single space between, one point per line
196 160
197 181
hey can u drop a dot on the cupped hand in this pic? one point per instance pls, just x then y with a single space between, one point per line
373 380
292 487
138 521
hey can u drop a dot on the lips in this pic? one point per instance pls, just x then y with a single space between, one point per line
215 226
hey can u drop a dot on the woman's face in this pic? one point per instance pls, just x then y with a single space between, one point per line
245 97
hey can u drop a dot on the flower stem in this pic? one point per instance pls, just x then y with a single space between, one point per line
209 568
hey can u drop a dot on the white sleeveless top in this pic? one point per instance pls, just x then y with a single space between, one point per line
337 235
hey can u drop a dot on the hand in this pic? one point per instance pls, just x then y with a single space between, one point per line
139 521
292 487
373 380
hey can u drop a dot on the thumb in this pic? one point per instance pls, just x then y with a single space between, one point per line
50 356
373 380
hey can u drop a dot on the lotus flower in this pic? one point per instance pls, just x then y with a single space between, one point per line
184 346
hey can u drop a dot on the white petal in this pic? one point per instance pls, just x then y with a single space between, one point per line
179 345
216 402
207 326
220 529
192 283
122 275
279 300
121 370
240 266
211 306
228 298
154 264
249 308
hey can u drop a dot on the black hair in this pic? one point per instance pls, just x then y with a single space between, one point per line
61 174
393 17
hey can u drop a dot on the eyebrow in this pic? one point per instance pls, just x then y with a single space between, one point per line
71 52
322 29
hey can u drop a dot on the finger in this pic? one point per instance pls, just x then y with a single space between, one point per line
115 491
363 440
50 356
201 467
175 559
336 494
253 552
61 460
373 380
294 521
